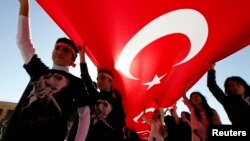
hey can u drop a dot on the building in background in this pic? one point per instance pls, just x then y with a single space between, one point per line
6 110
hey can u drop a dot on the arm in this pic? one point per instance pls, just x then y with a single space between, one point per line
185 99
144 117
175 115
213 87
23 32
83 123
24 8
161 110
216 118
162 114
82 53
85 75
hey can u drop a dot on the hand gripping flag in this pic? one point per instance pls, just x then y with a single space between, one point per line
153 46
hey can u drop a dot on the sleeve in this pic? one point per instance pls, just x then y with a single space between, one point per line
118 110
35 67
83 123
213 87
24 40
93 93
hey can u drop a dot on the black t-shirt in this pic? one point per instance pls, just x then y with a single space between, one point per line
108 116
46 104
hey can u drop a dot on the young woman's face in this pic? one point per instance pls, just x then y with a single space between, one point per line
195 98
236 87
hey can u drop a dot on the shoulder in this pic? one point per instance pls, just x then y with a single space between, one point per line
35 61
214 112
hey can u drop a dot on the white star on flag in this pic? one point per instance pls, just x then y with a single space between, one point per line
155 81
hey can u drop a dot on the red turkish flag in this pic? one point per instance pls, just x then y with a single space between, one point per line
153 46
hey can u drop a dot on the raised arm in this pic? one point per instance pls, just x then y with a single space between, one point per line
86 77
24 7
23 32
82 51
144 117
213 87
161 110
185 99
173 112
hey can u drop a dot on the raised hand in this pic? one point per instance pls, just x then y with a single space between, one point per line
24 7
82 51
213 65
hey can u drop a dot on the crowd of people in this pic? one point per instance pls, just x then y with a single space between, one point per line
157 125
53 95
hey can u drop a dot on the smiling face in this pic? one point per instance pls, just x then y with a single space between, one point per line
63 54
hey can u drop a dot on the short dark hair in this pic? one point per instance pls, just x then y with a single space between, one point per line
69 42
102 70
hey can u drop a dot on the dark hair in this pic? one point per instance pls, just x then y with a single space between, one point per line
187 115
239 80
105 71
157 111
207 108
69 42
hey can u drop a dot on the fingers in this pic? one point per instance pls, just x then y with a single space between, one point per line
186 86
213 64
81 47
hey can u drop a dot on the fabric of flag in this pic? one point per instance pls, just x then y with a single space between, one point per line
153 46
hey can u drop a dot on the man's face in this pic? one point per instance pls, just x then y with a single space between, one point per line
103 82
62 54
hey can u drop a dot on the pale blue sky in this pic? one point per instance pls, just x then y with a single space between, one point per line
44 34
